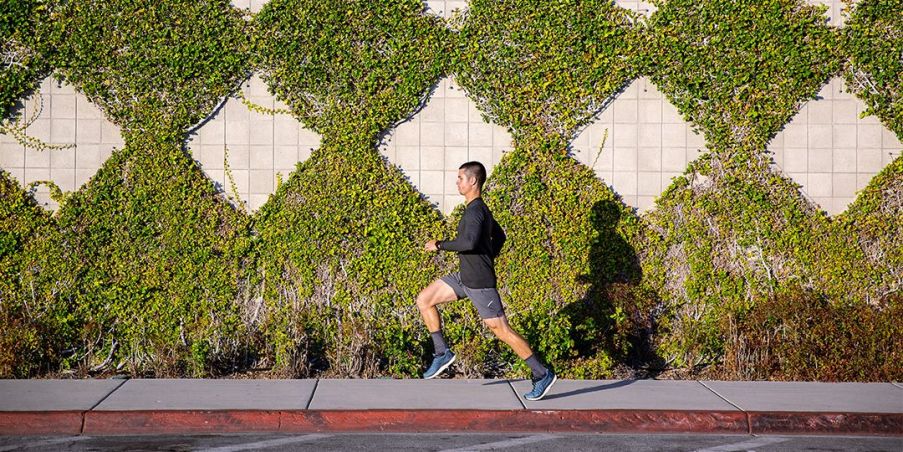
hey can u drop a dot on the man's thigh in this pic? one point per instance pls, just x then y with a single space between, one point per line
438 292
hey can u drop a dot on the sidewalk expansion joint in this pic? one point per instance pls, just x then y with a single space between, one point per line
516 396
81 429
748 417
313 392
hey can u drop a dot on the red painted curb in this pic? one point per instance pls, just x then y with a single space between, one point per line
40 422
514 421
173 422
600 421
826 423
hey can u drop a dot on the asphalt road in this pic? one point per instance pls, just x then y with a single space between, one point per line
448 442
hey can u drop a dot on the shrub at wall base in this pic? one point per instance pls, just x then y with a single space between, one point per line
570 243
35 326
147 258
340 262
802 336
731 234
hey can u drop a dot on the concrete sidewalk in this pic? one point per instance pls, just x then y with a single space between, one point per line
103 407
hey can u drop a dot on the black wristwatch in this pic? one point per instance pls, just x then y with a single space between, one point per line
437 244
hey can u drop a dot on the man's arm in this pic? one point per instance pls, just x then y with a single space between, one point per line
468 240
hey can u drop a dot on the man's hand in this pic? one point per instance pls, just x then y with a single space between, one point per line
431 246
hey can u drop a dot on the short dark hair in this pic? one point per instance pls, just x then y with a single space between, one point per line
477 170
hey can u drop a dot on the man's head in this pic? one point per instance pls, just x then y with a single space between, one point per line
471 175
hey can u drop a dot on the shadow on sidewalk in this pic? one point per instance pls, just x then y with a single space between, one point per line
602 387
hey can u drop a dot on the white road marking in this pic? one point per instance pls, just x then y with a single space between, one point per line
49 442
269 443
503 444
746 445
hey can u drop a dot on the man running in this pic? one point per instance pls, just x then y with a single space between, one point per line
478 241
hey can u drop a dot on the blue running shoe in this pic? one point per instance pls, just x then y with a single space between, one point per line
541 387
440 363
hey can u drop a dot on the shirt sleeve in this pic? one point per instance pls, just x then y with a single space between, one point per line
470 237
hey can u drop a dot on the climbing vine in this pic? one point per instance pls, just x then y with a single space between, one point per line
149 270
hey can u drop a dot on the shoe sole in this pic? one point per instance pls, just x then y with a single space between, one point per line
554 379
441 369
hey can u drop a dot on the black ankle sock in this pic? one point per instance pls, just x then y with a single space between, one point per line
538 369
439 342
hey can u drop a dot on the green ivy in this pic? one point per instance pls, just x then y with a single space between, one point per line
872 228
731 230
34 330
148 270
350 68
740 70
571 241
873 43
145 264
544 68
21 66
153 67
341 260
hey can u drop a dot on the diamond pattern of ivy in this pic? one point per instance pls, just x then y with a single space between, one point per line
155 66
544 68
350 68
741 69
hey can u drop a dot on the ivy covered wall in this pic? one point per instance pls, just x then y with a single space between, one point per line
148 270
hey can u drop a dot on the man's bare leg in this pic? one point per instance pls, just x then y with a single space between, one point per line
436 293
500 327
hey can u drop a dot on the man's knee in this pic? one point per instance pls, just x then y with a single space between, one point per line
498 327
424 299
428 297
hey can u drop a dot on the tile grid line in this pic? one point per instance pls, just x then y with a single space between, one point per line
75 149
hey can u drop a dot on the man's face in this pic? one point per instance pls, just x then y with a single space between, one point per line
464 182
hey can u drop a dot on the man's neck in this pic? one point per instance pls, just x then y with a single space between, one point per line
470 197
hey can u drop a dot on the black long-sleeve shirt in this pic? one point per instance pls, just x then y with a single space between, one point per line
474 247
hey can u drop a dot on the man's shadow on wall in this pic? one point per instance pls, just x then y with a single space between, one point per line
615 316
